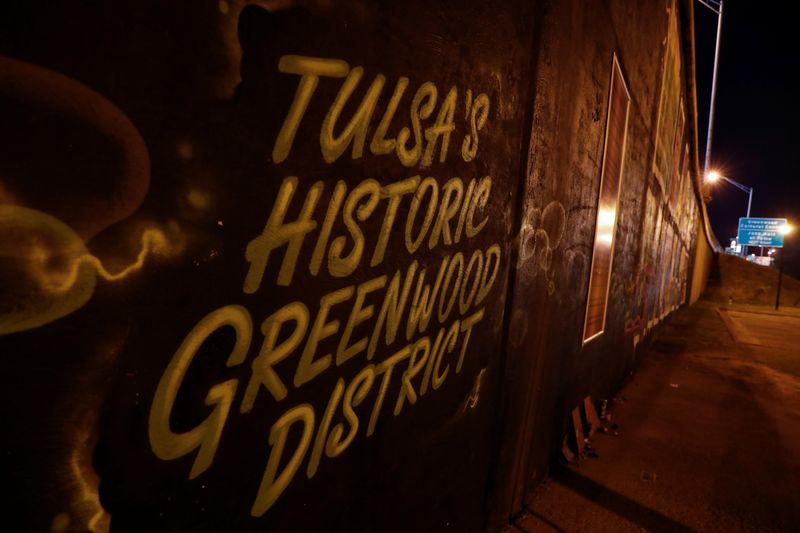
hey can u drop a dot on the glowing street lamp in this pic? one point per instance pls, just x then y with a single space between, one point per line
714 176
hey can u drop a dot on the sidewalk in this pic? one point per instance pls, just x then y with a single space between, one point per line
709 435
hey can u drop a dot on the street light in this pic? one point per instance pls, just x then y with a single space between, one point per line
714 176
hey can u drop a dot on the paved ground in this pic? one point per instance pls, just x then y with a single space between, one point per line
762 329
709 436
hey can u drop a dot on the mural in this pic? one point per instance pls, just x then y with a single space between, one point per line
670 213
434 216
257 264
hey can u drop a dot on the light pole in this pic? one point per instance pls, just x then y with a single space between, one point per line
714 176
716 7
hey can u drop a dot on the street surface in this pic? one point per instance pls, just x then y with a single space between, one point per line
763 329
709 434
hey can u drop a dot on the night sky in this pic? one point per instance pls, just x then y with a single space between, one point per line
756 126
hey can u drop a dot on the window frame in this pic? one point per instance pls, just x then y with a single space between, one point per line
615 68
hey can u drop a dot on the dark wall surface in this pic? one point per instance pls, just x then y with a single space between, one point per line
318 266
550 368
190 438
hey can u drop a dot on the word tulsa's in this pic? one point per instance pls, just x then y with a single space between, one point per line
423 105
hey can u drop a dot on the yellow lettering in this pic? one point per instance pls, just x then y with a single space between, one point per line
428 183
479 200
449 343
327 225
464 208
391 313
341 266
414 367
385 368
380 145
276 234
419 111
394 192
458 260
443 127
466 329
273 485
164 442
356 129
422 305
486 286
307 368
356 391
309 69
322 432
479 112
270 355
358 315
476 259
447 211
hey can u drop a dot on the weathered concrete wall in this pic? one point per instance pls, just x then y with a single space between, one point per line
706 245
310 266
550 370
703 263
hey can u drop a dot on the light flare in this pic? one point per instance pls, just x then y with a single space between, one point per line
606 217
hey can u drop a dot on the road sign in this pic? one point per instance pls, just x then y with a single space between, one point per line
761 232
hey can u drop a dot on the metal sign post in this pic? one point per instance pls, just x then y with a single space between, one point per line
779 260
765 232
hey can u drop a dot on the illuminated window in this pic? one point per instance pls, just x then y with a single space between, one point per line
608 204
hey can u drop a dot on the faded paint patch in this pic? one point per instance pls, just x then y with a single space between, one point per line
542 232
